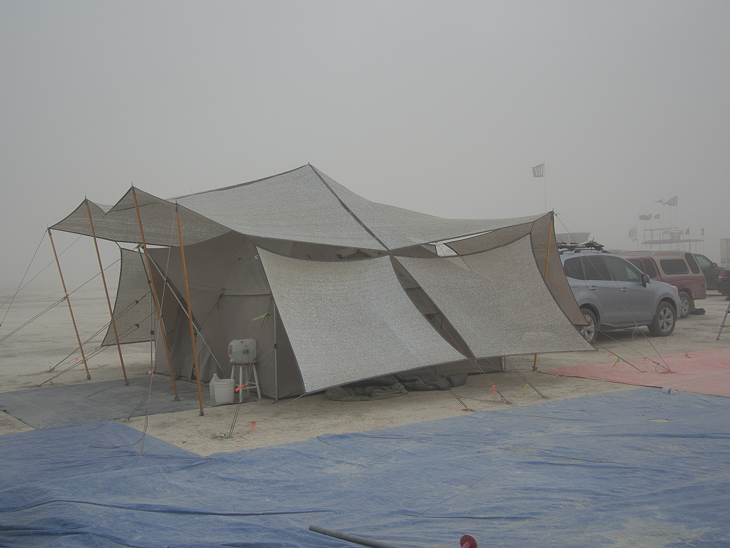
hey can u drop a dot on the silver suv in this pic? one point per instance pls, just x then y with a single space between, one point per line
612 294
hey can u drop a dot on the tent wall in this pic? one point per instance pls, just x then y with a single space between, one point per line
228 291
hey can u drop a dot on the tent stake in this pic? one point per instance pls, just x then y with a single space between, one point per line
513 368
154 295
190 312
68 301
106 292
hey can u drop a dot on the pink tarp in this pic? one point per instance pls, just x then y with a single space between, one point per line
703 372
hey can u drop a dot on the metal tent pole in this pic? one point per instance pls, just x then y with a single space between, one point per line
190 312
68 301
154 294
106 292
723 321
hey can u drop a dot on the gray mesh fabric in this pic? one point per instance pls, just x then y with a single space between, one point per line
120 223
399 228
542 239
515 316
350 320
302 205
133 308
293 206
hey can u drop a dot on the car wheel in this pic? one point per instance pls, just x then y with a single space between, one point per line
589 332
664 320
686 304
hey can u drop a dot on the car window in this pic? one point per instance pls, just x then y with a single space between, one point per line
636 263
573 268
693 266
674 266
649 268
595 268
621 270
703 261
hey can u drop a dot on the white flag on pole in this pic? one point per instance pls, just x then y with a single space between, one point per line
537 171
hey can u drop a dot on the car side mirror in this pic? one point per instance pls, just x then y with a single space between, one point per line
644 279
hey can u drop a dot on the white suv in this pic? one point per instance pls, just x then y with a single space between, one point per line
612 294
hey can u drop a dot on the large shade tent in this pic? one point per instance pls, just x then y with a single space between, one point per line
333 287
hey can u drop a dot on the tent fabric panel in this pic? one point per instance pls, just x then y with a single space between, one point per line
400 228
541 234
490 240
120 223
302 205
505 310
226 265
350 321
543 239
133 306
291 206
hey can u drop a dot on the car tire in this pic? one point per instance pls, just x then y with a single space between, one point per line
589 332
664 320
686 304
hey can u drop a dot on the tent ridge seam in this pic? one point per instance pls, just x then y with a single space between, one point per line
352 214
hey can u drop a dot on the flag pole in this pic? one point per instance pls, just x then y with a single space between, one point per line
539 171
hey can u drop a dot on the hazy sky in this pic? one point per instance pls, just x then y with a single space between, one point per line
441 107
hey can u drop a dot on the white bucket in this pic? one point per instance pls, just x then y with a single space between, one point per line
224 390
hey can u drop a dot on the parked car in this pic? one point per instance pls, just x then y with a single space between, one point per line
612 293
678 268
723 282
710 269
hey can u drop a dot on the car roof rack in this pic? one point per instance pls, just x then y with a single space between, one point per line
589 246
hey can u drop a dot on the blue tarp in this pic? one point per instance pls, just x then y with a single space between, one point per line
630 468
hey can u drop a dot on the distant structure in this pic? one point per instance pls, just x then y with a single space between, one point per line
667 235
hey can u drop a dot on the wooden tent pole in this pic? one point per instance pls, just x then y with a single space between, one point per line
68 301
154 294
106 292
190 312
547 259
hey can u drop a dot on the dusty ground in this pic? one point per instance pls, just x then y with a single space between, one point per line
28 356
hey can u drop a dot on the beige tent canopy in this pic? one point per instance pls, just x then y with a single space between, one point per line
333 287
